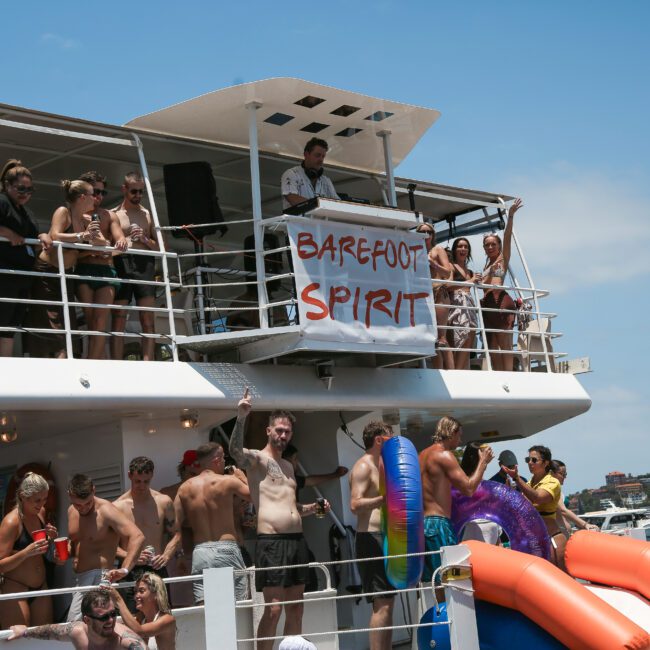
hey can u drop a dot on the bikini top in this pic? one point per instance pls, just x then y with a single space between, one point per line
459 277
25 539
496 269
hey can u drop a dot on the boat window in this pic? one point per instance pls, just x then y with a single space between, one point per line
620 521
596 521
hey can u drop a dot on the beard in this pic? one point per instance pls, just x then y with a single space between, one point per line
280 445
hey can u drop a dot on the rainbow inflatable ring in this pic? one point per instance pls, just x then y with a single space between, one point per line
402 514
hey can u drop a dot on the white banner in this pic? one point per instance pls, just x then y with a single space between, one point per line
371 286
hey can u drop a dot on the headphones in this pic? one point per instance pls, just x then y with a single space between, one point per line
312 174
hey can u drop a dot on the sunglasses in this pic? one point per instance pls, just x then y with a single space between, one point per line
24 189
104 617
136 191
531 460
98 192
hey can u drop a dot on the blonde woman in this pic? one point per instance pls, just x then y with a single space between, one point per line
22 562
67 226
154 621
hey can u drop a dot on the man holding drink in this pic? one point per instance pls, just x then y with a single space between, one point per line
280 541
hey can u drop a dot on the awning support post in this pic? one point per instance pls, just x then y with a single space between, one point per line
388 161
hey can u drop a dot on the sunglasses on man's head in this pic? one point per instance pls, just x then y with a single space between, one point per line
98 192
531 460
104 617
24 189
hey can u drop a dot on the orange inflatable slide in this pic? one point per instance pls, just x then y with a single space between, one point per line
554 600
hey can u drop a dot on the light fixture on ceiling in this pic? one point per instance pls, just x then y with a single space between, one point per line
4 420
9 435
189 419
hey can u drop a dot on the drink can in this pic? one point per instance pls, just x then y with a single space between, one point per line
320 507
105 582
151 551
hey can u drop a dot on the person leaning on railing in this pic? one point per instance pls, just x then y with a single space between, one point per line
22 561
16 225
462 317
67 226
494 273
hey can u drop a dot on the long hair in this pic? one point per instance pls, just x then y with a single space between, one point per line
30 485
454 248
446 428
157 588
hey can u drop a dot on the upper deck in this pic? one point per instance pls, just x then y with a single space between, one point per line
229 296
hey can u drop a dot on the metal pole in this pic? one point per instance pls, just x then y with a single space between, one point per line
161 245
388 161
64 298
199 296
258 228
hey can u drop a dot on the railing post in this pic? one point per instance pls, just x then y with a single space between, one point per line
219 608
258 227
481 324
64 299
161 245
461 614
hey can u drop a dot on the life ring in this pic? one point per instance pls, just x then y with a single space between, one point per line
509 509
19 475
402 513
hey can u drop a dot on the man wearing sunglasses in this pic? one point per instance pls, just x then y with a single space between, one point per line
136 222
98 631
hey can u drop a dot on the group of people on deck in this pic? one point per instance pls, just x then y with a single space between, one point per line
81 219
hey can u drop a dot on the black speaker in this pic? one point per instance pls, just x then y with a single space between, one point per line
191 193
272 263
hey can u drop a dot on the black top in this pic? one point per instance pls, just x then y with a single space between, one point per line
20 220
25 538
500 477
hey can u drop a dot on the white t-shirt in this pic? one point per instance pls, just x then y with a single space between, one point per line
295 181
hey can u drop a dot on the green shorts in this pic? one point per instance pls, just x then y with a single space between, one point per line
437 533
97 271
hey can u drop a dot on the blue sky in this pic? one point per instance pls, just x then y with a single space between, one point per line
549 101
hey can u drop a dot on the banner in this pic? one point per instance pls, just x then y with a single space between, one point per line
371 286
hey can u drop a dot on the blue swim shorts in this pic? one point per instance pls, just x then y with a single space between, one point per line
437 533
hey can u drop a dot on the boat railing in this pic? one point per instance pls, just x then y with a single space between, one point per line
216 293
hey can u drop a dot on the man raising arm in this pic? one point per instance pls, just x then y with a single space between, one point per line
440 470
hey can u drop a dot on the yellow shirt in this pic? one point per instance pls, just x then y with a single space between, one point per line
553 487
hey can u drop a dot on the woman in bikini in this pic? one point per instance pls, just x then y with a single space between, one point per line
463 315
22 562
67 226
441 269
494 273
154 621
544 491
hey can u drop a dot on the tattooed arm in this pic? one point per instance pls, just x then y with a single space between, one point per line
244 458
169 529
130 640
75 632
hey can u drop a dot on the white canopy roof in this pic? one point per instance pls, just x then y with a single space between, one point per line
292 111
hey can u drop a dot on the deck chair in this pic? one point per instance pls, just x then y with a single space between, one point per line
530 345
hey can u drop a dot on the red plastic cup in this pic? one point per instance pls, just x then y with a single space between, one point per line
39 534
61 545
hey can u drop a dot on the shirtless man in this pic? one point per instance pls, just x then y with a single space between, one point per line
95 527
136 222
440 470
153 513
441 269
205 502
99 629
180 593
99 264
365 503
280 540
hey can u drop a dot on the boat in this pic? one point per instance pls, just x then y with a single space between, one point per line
93 416
615 520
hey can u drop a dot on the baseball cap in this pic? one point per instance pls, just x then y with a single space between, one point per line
189 458
507 458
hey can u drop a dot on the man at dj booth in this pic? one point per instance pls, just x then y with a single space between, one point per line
307 180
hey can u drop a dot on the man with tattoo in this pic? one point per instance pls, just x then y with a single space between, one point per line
366 502
280 541
95 527
206 502
99 629
153 513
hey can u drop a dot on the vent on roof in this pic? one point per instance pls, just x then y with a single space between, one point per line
314 127
345 110
349 132
309 101
107 480
279 119
378 116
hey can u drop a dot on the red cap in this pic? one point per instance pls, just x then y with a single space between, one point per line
189 457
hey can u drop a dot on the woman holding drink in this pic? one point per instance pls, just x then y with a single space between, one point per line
24 540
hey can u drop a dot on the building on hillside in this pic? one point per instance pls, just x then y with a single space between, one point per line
614 478
632 494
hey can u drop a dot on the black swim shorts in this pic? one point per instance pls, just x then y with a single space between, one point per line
278 551
373 575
